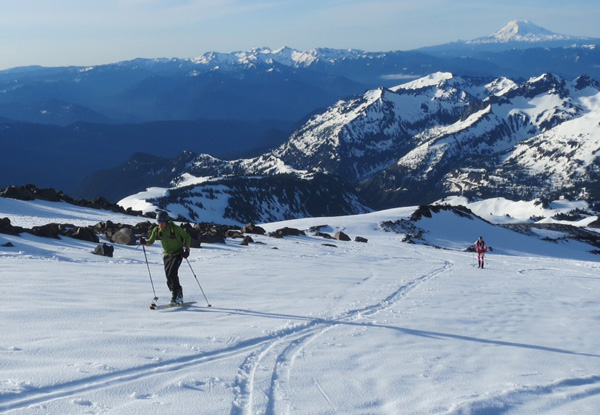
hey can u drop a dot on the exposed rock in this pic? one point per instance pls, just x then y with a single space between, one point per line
31 192
283 232
428 211
323 235
319 228
124 236
7 228
104 250
247 240
234 234
595 224
85 234
253 229
341 236
50 230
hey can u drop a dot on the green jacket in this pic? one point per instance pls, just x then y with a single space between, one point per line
174 238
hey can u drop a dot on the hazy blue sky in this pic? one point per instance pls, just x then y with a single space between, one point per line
90 32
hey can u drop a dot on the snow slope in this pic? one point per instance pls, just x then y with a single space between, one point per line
297 327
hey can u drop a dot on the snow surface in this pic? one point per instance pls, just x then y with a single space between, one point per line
501 211
297 327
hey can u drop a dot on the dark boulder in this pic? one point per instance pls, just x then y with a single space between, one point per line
31 192
253 229
323 235
8 229
283 232
234 234
51 230
124 236
85 234
341 236
104 250
247 240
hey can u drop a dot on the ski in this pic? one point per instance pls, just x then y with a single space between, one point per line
169 306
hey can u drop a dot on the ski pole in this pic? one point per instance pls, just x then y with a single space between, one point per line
148 265
186 260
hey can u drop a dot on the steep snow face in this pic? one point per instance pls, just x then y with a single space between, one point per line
500 86
556 155
521 139
569 149
359 137
540 103
520 31
566 154
511 114
440 143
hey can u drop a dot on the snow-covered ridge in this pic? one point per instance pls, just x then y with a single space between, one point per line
426 81
285 56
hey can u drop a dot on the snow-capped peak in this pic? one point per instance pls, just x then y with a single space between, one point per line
520 31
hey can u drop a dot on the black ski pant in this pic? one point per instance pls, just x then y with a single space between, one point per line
172 264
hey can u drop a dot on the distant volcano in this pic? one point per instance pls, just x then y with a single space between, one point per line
520 31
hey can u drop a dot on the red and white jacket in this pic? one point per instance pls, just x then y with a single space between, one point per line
480 246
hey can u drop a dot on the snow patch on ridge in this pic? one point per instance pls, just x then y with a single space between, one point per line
426 81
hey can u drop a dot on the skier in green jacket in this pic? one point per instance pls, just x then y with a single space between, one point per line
176 246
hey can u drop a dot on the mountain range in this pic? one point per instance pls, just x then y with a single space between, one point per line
421 141
258 84
462 117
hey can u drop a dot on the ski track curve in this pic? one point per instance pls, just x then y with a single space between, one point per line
276 350
260 386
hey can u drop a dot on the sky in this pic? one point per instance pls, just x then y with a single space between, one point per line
92 32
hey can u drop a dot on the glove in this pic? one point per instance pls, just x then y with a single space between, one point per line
186 253
142 240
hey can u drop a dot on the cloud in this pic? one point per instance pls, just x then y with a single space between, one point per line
399 77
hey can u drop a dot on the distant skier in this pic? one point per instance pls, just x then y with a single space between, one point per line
176 246
481 248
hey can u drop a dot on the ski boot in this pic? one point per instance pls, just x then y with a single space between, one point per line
177 298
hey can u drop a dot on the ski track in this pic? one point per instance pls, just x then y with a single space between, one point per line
325 395
560 392
256 388
277 357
